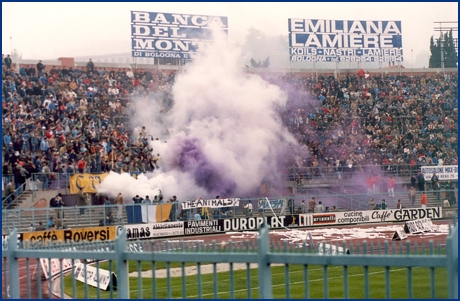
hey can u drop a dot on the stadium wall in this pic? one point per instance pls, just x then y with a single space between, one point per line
390 70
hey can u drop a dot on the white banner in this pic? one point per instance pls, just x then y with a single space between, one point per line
214 203
274 204
444 172
55 264
418 226
391 215
91 276
330 249
134 232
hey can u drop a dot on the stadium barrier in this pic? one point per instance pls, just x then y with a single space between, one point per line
83 261
302 175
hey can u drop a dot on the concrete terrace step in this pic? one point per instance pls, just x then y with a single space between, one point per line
72 219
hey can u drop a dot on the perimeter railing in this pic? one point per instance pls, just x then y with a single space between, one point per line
70 215
346 270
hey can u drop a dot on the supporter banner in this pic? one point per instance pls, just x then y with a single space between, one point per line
134 232
399 235
345 40
214 203
87 181
155 213
90 276
148 213
418 226
330 249
444 172
135 247
172 35
42 238
55 264
274 204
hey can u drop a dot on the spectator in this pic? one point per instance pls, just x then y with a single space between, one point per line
23 174
437 190
10 193
450 193
412 195
413 180
399 205
40 68
60 224
40 226
50 224
248 209
90 66
391 187
31 228
45 176
59 203
446 203
197 216
173 213
291 206
423 200
383 205
107 205
81 164
137 199
421 182
319 208
119 202
312 205
434 182
82 200
8 62
303 207
147 200
107 220
371 204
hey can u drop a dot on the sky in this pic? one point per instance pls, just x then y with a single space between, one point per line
53 30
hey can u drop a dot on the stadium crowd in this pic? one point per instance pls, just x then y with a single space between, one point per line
58 120
70 120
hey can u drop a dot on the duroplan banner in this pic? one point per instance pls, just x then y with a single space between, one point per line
171 35
213 203
345 40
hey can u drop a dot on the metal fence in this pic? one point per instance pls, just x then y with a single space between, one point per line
403 256
22 218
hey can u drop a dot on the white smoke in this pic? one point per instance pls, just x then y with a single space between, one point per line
229 114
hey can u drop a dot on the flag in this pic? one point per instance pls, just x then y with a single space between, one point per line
155 213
